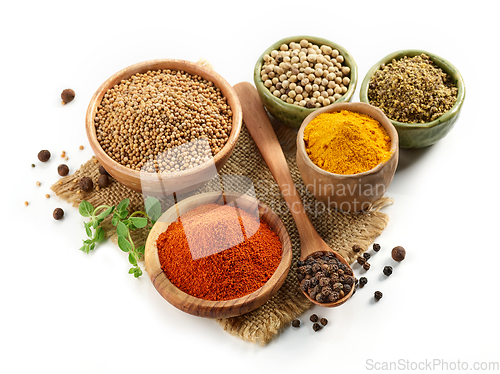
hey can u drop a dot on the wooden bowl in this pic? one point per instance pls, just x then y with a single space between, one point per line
354 192
208 308
418 135
165 183
293 115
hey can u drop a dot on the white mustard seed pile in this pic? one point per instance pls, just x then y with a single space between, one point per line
163 121
305 74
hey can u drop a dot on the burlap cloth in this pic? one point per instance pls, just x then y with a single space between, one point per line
340 230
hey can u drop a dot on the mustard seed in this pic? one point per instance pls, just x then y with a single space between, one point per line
81 147
26 203
47 195
67 95
38 183
32 165
44 155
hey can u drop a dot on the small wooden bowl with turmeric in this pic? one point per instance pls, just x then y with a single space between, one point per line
221 306
348 168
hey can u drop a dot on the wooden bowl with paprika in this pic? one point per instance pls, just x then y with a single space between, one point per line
353 192
164 183
204 277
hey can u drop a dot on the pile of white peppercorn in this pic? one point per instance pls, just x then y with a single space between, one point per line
306 74
151 114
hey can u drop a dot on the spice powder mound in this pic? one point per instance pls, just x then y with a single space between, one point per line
216 252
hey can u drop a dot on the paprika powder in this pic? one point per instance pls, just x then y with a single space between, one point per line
218 252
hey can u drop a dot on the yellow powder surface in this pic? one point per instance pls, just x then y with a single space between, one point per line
346 142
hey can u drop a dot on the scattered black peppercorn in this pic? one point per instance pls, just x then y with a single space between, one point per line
44 155
366 266
362 282
103 171
63 170
86 184
324 321
356 248
398 253
376 247
317 327
361 260
296 323
314 318
67 95
103 181
366 256
378 295
387 270
58 213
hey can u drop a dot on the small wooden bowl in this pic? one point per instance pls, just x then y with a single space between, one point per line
354 192
208 308
165 183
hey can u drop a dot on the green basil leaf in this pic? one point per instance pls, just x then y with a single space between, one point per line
92 246
140 249
106 213
123 205
88 230
88 241
137 272
85 248
123 214
132 259
94 224
139 222
131 270
115 219
86 209
153 208
121 229
124 244
99 234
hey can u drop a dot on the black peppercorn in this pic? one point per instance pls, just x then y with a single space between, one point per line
320 298
398 253
361 260
324 321
376 247
366 256
347 288
296 323
86 184
63 170
317 327
299 263
58 213
103 181
349 280
366 266
314 318
378 295
356 248
44 155
103 171
362 282
67 95
387 270
334 296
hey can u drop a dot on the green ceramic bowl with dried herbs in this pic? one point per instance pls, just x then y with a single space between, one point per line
293 115
419 135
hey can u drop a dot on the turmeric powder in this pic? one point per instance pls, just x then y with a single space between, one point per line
346 142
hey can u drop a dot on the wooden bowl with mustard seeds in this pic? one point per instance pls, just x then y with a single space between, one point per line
130 124
348 192
210 308
421 101
334 79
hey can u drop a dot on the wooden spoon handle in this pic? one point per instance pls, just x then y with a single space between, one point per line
262 132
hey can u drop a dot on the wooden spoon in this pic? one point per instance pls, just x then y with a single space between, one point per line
262 132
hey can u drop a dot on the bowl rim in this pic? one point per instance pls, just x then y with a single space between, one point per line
336 107
144 66
279 275
440 62
316 40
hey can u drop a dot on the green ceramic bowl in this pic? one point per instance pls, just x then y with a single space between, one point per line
418 135
293 115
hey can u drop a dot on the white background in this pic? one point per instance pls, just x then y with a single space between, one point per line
66 312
